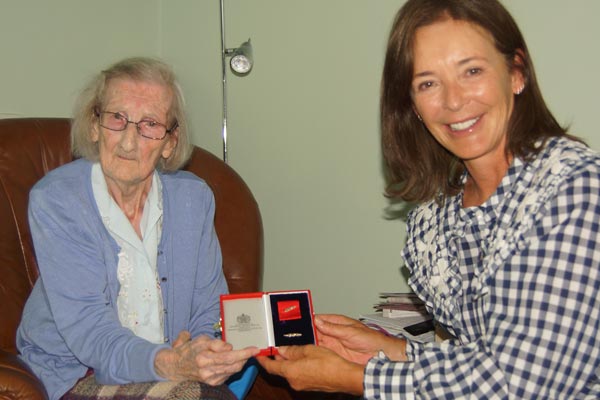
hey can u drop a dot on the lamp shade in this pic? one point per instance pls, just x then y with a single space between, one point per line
241 60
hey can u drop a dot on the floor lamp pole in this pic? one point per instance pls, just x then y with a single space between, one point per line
223 66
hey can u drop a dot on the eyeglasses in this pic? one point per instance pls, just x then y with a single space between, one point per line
147 128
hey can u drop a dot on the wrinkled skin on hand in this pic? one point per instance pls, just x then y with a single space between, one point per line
202 359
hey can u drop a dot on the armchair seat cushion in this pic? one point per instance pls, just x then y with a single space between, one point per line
17 381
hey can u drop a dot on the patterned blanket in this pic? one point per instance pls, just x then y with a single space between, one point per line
89 389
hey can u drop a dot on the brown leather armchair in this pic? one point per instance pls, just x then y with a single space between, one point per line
29 148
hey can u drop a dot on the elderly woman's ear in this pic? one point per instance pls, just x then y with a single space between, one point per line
94 133
171 144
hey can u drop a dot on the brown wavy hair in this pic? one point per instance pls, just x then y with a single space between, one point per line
418 168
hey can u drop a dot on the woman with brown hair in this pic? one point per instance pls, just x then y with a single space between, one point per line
504 243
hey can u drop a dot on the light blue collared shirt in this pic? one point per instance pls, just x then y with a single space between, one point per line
139 302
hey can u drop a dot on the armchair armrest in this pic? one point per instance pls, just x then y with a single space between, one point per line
17 381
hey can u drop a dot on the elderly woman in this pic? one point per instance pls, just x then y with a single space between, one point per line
130 265
504 244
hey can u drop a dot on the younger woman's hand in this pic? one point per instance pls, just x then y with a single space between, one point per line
315 368
356 342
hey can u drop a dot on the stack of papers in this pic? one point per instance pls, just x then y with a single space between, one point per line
400 305
417 328
401 314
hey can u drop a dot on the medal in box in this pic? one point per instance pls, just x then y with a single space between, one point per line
268 320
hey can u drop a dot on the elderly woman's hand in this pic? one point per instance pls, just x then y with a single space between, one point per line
202 359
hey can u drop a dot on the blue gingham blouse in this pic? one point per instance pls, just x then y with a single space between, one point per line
515 280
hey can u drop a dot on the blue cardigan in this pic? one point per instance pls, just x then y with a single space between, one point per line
70 320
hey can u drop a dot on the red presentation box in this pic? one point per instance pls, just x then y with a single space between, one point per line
268 320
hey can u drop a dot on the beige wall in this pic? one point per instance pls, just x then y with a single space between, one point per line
303 127
48 48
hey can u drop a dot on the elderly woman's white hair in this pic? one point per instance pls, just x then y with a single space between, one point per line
93 98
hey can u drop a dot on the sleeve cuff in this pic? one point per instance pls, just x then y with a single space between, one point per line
385 379
152 370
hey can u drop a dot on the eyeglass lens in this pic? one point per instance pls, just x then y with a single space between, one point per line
146 127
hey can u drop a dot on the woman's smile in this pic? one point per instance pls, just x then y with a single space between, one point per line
463 125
